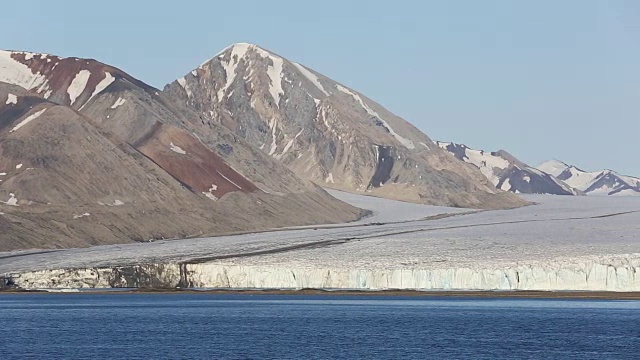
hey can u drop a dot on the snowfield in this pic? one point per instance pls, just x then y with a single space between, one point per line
561 243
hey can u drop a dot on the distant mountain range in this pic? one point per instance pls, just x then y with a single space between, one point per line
604 182
508 173
551 177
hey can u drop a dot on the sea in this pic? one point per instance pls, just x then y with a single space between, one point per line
221 326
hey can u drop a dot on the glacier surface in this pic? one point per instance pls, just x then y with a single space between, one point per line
561 243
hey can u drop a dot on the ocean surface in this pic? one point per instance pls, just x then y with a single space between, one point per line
210 326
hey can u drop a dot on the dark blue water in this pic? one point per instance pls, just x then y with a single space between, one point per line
205 326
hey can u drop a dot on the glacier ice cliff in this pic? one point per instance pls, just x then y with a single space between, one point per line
595 273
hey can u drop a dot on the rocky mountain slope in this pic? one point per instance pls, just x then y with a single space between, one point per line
506 172
327 132
605 182
90 155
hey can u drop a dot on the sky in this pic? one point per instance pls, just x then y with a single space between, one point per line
541 79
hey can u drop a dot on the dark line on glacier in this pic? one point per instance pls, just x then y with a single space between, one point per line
311 245
30 253
340 241
349 235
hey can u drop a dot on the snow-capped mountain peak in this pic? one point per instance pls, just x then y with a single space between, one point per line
553 167
605 182
281 73
508 173
69 81
323 130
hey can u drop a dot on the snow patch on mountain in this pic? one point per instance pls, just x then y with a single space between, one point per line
311 77
238 51
118 103
506 186
553 167
103 84
487 163
490 165
209 192
17 73
78 84
11 99
289 144
580 179
406 142
108 79
13 201
329 179
274 145
183 82
210 195
633 181
275 75
177 149
229 180
27 120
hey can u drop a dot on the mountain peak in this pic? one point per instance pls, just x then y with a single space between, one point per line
27 54
554 167
240 47
603 182
506 172
326 132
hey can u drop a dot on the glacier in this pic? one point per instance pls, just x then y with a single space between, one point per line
559 244
613 273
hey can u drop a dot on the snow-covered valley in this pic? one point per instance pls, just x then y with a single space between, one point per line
561 243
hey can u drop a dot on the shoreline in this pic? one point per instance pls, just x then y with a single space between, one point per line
481 294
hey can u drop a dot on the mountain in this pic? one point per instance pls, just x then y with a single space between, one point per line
90 155
327 132
506 172
605 182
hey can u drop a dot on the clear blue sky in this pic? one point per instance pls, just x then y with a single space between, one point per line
541 79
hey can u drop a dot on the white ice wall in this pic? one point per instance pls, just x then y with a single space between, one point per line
619 273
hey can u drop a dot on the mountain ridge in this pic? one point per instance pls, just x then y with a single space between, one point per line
508 173
603 182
